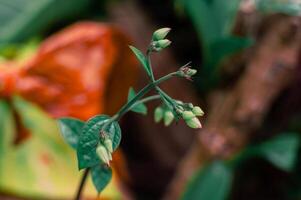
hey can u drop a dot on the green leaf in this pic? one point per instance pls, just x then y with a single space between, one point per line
279 6
211 183
21 19
213 19
45 159
89 138
216 53
138 107
142 60
282 150
223 47
44 127
101 176
71 129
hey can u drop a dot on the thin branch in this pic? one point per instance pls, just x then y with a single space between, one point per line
82 184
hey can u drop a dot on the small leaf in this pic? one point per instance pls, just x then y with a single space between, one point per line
138 108
71 129
89 139
282 150
101 176
213 182
142 59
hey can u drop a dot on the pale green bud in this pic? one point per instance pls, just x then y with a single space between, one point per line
158 114
109 145
198 111
168 118
190 105
191 72
194 123
159 45
163 43
160 34
187 115
102 153
109 155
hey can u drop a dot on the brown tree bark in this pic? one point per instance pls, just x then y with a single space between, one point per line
240 111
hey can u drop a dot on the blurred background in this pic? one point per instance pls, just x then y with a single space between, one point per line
71 58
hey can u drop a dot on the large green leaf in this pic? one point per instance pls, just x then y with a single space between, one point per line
213 19
71 129
213 182
90 137
101 176
42 166
138 108
282 150
6 133
29 113
142 59
21 19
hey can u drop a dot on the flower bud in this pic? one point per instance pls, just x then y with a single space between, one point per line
168 118
109 155
198 111
191 72
187 115
193 123
159 45
163 43
158 114
108 144
160 34
103 154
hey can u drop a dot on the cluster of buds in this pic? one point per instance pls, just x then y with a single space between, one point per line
187 111
165 114
104 151
158 41
190 117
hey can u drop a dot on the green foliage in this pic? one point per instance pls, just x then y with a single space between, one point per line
213 21
71 129
281 151
138 107
90 137
22 19
290 7
142 59
213 182
29 113
101 176
44 157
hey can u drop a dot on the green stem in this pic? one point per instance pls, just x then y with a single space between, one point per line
124 109
142 92
82 184
148 54
158 89
145 100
